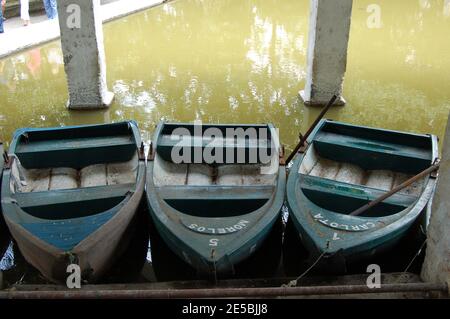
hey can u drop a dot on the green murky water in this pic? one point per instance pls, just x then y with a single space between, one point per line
244 61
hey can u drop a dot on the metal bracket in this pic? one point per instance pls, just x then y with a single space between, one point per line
141 152
151 152
435 173
8 160
282 160
303 148
305 145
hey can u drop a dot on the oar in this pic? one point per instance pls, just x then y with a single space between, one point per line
396 189
305 137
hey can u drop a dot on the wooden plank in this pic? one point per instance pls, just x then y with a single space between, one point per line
375 146
249 151
378 134
33 199
358 279
216 192
322 185
73 144
169 127
255 145
371 157
78 157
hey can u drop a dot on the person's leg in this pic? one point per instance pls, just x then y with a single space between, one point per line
54 8
24 11
1 20
51 9
3 8
47 8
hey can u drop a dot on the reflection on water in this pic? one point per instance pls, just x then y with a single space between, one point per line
447 8
244 61
7 262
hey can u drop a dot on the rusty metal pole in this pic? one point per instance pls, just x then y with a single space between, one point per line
223 292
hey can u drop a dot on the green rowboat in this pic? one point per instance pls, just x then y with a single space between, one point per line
215 212
69 195
342 168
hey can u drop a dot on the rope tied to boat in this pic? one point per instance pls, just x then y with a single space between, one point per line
413 259
293 283
213 257
72 258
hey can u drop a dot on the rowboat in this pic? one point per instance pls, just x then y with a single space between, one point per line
69 195
215 211
342 168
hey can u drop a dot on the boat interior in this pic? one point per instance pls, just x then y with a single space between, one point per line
346 167
60 174
232 188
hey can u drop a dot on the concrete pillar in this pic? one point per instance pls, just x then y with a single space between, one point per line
84 57
329 29
436 267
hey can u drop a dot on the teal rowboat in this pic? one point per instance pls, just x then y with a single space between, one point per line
344 167
69 195
214 213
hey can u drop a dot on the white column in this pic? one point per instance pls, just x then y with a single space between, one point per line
436 267
84 57
329 29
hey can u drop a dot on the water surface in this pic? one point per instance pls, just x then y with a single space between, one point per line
244 61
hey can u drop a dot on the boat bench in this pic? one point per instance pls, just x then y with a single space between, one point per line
75 152
215 201
234 151
71 203
65 192
344 197
372 154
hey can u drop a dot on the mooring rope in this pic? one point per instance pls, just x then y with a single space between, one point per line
412 261
213 255
293 283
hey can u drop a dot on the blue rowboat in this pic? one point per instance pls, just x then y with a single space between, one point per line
69 195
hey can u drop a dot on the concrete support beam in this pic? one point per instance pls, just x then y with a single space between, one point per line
329 29
436 267
84 57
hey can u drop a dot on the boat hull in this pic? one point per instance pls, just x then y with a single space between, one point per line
84 234
332 236
206 267
95 255
201 227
